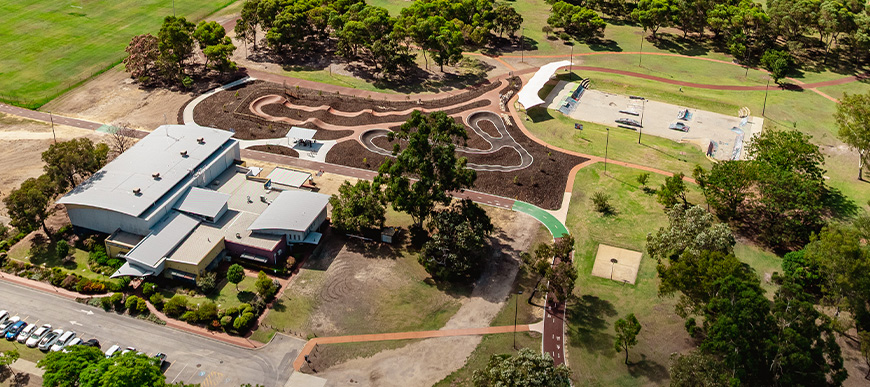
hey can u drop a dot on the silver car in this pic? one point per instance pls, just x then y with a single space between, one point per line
49 340
25 333
37 336
63 340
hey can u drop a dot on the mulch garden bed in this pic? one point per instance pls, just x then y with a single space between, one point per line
280 110
504 156
489 128
277 149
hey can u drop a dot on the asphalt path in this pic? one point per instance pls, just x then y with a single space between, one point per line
190 358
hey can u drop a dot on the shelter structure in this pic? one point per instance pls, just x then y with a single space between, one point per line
528 95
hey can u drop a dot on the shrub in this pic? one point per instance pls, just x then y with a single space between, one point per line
57 277
95 287
106 303
187 82
80 286
189 316
175 306
115 263
564 36
157 300
258 304
118 301
231 311
118 285
61 249
227 322
69 281
266 288
148 289
131 303
141 306
207 282
207 311
243 321
601 201
98 255
64 229
291 261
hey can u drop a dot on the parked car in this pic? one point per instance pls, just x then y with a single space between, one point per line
14 330
63 340
4 315
113 350
629 121
679 126
75 341
91 343
128 349
25 333
37 336
160 357
49 340
8 324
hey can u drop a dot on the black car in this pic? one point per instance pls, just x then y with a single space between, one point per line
628 121
91 343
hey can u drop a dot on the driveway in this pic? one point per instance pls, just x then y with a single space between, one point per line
191 358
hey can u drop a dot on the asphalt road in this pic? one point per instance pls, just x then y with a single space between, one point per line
190 358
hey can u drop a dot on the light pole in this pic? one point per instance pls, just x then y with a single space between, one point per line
606 145
640 56
765 97
570 65
50 117
516 309
522 44
640 129
173 8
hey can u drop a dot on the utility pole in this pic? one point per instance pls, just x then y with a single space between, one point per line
640 61
173 8
570 65
765 97
606 145
522 44
51 118
640 129
516 308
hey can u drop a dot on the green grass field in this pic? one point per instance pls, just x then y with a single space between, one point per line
49 46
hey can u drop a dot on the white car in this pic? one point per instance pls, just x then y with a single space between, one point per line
129 349
49 340
8 323
63 340
37 336
25 333
113 350
4 315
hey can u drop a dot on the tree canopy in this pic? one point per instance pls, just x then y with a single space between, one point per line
29 205
358 207
853 122
692 229
235 274
525 369
459 241
69 162
626 334
430 158
89 367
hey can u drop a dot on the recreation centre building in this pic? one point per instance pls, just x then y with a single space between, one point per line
181 200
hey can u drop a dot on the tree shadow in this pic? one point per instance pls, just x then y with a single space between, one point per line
321 259
839 205
649 369
587 327
604 45
539 114
680 45
246 296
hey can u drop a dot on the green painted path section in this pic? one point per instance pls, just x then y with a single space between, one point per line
554 225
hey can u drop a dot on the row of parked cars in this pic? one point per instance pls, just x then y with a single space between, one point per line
46 339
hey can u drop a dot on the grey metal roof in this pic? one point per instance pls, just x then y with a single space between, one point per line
292 210
128 270
288 177
164 238
111 188
301 133
202 202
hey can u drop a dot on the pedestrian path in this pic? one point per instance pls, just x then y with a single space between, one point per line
547 219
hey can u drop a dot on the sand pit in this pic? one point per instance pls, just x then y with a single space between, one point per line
617 264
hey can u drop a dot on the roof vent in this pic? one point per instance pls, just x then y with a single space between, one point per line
137 191
156 175
183 153
200 140
238 236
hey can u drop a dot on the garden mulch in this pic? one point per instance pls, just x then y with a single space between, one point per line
278 149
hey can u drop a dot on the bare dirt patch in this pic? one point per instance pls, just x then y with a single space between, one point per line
421 363
22 142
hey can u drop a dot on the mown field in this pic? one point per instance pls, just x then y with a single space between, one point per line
49 46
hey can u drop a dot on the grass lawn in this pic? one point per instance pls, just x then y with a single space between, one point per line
226 296
557 129
22 252
601 301
29 354
50 46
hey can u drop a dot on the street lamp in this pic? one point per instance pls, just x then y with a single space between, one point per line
765 97
516 309
50 117
606 145
640 129
522 44
640 55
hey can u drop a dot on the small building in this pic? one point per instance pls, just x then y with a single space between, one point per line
309 209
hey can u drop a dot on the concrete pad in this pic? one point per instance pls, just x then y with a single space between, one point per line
656 117
623 270
298 379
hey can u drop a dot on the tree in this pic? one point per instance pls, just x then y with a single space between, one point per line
458 245
528 368
689 229
561 278
7 358
626 334
235 274
642 179
127 370
121 137
654 14
853 122
695 276
206 282
673 191
430 157
727 186
176 306
61 249
792 19
28 206
777 62
67 161
142 56
697 369
601 202
506 19
540 261
582 23
691 15
443 39
358 207
215 44
265 286
246 26
62 369
175 43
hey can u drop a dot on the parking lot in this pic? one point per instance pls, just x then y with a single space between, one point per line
656 117
190 358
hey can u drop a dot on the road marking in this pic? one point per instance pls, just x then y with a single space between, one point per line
212 379
87 312
75 323
179 374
